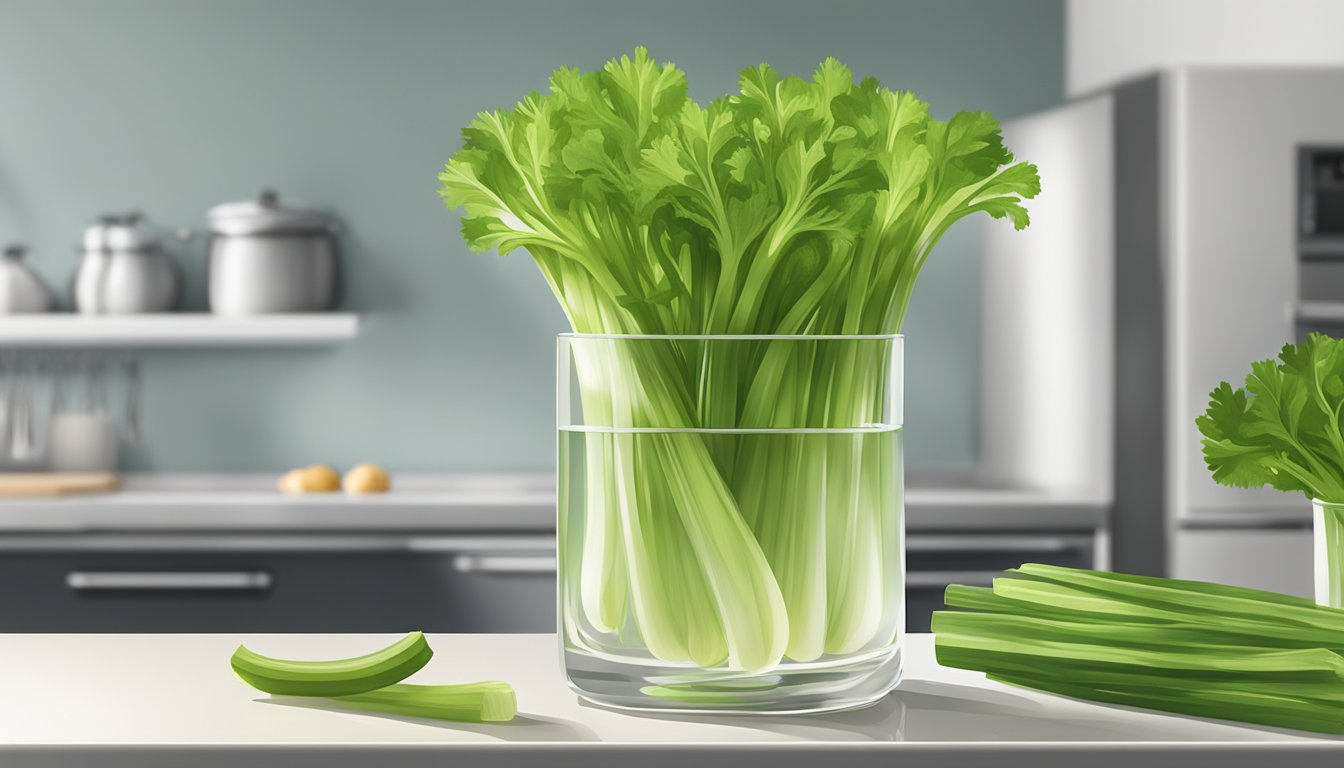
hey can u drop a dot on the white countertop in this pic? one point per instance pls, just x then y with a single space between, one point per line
148 700
452 503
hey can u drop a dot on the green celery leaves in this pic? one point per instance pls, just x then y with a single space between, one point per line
649 213
1283 429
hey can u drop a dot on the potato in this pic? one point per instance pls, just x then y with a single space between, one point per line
318 478
367 478
292 482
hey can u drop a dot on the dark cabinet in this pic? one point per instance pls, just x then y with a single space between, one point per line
467 588
934 560
503 583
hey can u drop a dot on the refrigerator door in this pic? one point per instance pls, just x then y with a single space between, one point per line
1276 559
1047 323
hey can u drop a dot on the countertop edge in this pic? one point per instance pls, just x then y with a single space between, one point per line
619 755
476 502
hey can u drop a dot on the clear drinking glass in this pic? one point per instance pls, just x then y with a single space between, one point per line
731 535
1328 528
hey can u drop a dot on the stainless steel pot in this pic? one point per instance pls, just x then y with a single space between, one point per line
21 290
125 270
268 258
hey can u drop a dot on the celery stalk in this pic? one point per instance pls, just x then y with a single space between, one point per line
747 597
656 601
603 571
490 701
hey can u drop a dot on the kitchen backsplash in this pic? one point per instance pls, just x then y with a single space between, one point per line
354 107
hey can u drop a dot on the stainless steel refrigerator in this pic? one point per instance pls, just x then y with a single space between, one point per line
1197 226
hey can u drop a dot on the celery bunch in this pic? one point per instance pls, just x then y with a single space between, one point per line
791 207
1180 646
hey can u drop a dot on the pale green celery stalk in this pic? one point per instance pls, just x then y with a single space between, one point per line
681 574
1039 570
1176 599
883 489
854 554
971 646
745 597
656 605
1113 608
985 599
721 365
485 702
1194 634
749 602
819 504
854 572
783 497
602 570
673 608
790 528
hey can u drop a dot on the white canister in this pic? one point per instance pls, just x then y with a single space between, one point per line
82 442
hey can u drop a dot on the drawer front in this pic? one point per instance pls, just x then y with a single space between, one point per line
462 591
933 561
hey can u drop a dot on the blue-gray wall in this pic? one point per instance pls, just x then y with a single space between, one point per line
171 106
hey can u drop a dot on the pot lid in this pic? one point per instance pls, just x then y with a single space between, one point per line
265 215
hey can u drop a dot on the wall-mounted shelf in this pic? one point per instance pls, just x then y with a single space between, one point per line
175 330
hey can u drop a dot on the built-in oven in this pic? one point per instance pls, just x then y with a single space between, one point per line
1320 240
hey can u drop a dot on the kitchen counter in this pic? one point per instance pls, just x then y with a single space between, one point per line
454 503
160 700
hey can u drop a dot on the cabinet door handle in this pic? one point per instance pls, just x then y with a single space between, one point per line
140 581
940 579
504 564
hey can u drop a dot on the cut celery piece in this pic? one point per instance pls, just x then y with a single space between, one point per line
491 701
340 677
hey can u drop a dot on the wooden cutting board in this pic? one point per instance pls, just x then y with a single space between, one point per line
20 484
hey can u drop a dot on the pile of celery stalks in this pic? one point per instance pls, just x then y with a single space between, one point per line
1180 646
